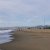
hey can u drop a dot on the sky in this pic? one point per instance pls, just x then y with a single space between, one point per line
24 12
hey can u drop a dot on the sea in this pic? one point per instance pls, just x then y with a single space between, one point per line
5 36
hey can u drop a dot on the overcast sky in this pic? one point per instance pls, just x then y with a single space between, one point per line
24 12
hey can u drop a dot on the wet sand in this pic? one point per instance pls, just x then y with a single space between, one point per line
29 40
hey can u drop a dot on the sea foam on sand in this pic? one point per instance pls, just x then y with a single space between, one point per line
5 36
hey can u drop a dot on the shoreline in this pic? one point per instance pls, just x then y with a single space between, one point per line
12 33
24 40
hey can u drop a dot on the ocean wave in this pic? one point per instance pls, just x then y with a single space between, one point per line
5 36
5 31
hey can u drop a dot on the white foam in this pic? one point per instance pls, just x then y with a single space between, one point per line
5 31
5 36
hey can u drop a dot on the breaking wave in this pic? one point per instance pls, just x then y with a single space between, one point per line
5 36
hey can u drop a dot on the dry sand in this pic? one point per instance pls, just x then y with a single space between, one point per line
29 40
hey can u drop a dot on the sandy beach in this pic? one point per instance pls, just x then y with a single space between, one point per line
29 40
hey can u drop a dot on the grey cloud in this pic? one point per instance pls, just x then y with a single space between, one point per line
37 8
32 9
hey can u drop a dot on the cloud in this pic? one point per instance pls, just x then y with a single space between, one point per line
26 7
24 12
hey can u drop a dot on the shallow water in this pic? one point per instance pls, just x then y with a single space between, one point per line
5 36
